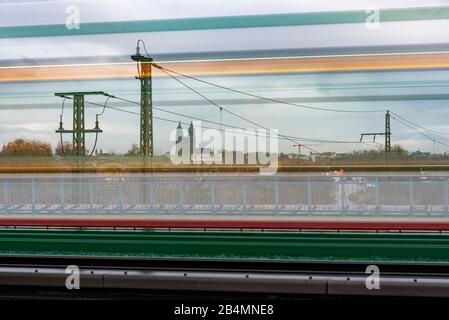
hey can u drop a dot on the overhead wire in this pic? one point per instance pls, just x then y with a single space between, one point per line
96 124
285 137
167 72
170 73
399 118
421 133
235 114
104 106
419 126
265 98
224 124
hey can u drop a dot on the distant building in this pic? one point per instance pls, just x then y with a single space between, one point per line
322 156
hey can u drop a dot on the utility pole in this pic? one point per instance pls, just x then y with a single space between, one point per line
299 149
146 102
78 131
387 134
299 145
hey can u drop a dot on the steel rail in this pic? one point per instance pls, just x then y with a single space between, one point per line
326 279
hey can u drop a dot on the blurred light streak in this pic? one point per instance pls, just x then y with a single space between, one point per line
226 22
232 67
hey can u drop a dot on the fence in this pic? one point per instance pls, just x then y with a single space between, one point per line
282 194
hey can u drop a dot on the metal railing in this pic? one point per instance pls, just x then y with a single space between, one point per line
283 194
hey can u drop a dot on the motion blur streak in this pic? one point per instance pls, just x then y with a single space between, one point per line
234 67
226 22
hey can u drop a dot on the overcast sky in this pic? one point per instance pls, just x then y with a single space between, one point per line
120 130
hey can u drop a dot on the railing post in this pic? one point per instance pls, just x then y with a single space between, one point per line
376 186
33 196
61 194
276 193
342 195
5 195
120 195
244 190
410 194
212 194
309 194
151 190
181 192
446 201
91 196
